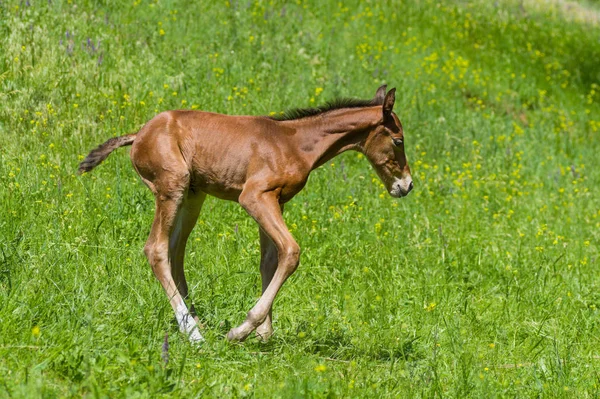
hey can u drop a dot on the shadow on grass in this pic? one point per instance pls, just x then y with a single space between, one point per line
339 346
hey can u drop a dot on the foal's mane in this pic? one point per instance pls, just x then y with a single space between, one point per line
338 103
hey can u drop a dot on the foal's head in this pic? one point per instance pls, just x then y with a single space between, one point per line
384 148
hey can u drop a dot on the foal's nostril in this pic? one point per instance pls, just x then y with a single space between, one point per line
410 186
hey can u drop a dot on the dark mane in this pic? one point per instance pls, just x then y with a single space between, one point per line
338 103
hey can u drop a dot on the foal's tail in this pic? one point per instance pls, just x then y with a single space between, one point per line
101 152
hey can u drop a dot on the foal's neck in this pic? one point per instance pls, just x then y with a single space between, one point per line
324 136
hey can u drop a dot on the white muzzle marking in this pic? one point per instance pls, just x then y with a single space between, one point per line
401 187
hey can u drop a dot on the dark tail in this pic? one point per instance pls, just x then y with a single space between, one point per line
100 153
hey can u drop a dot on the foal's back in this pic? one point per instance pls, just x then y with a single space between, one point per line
212 153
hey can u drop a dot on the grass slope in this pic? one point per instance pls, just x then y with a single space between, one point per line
482 283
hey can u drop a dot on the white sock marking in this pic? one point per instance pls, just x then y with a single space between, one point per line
187 324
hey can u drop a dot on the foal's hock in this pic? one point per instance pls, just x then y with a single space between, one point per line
260 162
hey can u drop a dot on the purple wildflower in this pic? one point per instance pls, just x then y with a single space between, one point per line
165 349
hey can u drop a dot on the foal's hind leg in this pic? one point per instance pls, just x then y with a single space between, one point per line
157 251
184 224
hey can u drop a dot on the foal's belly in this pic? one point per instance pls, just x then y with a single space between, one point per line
223 188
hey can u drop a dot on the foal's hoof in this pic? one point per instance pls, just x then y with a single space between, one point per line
233 337
239 334
264 334
195 337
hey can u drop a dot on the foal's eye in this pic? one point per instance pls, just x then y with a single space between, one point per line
397 142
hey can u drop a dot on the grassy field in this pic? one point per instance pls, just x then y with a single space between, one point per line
483 282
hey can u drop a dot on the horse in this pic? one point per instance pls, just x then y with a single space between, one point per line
261 162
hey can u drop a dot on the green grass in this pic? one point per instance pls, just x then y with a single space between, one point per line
482 283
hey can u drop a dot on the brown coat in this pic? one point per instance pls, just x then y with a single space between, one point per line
261 163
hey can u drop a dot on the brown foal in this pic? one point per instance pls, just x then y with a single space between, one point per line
260 162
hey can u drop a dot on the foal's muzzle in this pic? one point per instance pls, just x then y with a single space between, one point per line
401 187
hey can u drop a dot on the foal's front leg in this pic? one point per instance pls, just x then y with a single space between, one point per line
265 209
268 265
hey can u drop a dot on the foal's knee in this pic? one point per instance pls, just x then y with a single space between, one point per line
290 258
156 254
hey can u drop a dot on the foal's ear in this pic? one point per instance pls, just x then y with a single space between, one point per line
388 102
380 95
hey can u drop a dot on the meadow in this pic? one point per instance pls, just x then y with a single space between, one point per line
483 282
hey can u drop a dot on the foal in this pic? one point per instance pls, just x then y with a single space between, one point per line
261 163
